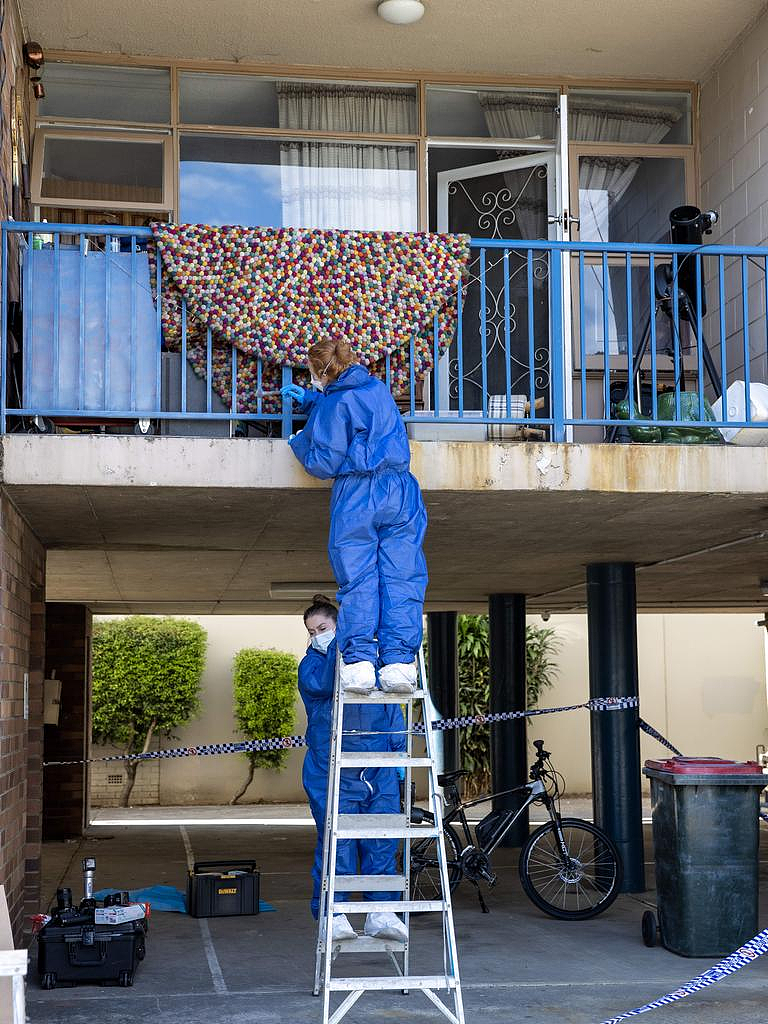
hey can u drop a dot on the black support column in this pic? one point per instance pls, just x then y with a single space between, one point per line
616 792
444 680
509 760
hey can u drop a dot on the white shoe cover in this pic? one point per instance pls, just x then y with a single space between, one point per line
398 678
342 930
386 925
360 677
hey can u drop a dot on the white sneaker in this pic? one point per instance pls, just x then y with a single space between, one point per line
342 930
398 678
360 677
386 925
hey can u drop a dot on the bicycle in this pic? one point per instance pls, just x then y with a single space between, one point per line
568 867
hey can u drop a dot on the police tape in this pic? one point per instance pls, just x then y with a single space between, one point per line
657 736
743 956
292 742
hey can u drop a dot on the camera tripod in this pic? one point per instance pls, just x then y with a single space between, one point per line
663 278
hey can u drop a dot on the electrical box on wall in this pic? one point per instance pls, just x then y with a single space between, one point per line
51 700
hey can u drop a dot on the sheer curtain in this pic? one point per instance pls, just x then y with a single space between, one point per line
362 186
529 116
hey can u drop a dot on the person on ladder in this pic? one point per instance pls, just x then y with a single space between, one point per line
355 435
366 791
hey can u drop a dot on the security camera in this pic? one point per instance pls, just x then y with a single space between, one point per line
545 616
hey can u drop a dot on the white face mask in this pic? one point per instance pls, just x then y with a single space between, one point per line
322 641
317 383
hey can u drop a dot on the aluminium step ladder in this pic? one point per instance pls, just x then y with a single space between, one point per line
337 891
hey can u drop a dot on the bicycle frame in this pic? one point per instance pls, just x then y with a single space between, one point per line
536 793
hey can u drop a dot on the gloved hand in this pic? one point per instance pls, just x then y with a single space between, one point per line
400 774
294 391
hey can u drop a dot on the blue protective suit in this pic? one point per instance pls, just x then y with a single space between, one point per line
362 791
356 435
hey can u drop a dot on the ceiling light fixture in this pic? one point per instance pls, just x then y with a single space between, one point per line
287 591
401 12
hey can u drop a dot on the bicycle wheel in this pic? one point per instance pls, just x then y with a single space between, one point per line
573 888
425 872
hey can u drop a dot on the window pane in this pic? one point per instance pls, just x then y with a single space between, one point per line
277 183
492 113
314 106
113 170
649 118
624 199
107 94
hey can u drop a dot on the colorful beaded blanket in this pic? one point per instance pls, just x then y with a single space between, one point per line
269 293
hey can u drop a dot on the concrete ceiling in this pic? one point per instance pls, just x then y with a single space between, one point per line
205 527
602 38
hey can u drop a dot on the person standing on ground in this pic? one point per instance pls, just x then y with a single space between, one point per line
355 435
361 791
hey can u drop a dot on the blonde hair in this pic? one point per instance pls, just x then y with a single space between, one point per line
330 357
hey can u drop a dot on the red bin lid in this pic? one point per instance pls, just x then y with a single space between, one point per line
705 766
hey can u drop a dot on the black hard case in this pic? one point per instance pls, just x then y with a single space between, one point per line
223 893
90 952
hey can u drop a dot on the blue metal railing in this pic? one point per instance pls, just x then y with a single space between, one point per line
562 340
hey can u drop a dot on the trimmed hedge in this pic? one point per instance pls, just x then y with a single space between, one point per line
265 685
146 681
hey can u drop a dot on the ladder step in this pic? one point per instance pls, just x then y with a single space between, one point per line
369 883
383 759
367 944
382 826
379 697
436 981
382 906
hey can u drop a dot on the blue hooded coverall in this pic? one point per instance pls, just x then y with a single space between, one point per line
362 791
356 435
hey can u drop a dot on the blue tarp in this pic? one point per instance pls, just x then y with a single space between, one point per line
167 897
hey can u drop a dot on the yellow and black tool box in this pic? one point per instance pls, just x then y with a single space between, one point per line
223 888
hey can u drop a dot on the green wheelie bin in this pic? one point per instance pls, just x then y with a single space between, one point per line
705 837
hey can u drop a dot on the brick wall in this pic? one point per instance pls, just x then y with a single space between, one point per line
21 671
107 780
68 653
734 181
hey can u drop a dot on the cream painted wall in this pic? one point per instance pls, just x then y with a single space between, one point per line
702 684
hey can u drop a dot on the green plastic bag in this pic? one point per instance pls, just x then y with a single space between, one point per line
640 434
689 410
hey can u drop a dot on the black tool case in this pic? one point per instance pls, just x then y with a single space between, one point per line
90 952
230 891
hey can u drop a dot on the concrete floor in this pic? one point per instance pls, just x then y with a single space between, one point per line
517 964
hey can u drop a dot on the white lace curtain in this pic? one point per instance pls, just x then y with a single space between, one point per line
359 186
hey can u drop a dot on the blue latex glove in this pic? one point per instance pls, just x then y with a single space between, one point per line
400 774
294 391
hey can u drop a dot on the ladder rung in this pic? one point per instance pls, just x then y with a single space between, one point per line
367 944
382 906
382 826
383 759
369 883
437 981
379 697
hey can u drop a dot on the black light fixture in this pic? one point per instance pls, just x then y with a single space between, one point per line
34 58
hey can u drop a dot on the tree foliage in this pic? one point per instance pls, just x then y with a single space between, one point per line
541 646
146 681
265 687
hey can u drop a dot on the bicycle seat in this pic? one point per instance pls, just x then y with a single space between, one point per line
446 778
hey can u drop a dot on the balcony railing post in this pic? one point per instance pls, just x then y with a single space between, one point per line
558 343
287 408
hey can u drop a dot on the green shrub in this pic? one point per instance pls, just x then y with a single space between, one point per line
265 687
146 682
541 644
